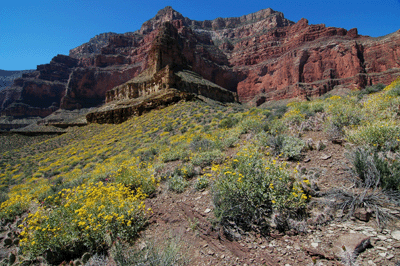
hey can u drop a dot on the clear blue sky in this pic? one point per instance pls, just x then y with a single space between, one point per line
32 32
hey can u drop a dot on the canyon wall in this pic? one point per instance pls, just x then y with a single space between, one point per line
262 56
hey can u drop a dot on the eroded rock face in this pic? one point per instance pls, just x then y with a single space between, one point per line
261 56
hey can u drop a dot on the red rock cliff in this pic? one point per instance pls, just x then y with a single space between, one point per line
260 55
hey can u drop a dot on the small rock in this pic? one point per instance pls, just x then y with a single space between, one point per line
370 262
263 247
211 253
381 248
320 146
363 215
396 235
390 256
382 238
325 156
309 143
353 242
383 254
306 160
314 245
207 210
396 245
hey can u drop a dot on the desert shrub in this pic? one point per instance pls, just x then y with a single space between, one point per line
3 197
375 170
147 154
228 122
251 125
13 206
185 170
177 183
286 146
275 143
207 158
201 183
294 116
343 111
394 91
228 142
277 127
348 200
370 89
277 112
378 134
249 188
80 219
136 175
317 106
262 139
177 153
334 132
183 129
200 144
292 147
153 254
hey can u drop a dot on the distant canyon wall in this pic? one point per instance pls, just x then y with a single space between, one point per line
262 56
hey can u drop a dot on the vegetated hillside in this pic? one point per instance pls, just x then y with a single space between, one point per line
7 77
226 184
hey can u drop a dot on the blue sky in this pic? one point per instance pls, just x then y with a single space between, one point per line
32 32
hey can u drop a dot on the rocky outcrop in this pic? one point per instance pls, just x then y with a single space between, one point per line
119 112
7 77
262 56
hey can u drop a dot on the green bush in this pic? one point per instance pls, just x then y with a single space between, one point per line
249 188
286 146
371 89
185 170
153 254
251 125
177 183
207 158
375 170
199 144
176 153
83 219
378 134
292 147
228 122
201 183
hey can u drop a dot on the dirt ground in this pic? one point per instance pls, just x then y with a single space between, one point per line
189 218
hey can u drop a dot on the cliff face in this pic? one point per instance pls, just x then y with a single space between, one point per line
261 56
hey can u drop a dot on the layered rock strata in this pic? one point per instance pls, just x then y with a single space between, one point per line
261 56
165 87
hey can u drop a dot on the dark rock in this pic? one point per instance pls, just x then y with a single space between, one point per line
11 259
7 242
363 215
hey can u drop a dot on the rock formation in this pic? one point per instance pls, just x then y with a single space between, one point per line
261 56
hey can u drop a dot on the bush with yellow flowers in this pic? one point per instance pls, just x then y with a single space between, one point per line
249 188
80 219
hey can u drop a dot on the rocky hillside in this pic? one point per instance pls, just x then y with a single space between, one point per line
204 183
262 56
